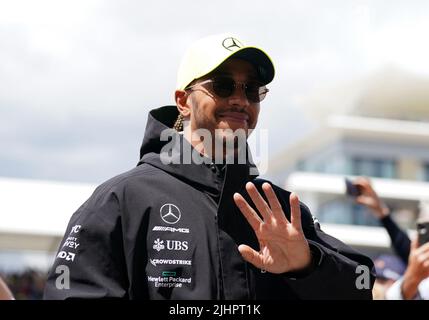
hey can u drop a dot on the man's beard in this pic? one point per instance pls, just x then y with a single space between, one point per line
230 146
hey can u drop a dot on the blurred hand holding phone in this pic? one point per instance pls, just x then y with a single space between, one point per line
363 193
352 189
423 232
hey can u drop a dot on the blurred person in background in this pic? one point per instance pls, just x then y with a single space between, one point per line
414 285
389 268
367 196
27 284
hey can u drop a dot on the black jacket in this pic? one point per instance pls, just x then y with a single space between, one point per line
171 231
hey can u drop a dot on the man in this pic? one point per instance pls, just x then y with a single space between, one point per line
181 225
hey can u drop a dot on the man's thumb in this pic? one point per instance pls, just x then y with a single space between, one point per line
414 244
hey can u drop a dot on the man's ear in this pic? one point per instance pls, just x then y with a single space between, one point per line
182 103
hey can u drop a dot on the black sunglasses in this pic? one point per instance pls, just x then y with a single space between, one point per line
224 87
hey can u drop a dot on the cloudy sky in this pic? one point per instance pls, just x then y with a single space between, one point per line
77 78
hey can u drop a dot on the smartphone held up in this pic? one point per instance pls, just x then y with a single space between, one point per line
352 189
423 232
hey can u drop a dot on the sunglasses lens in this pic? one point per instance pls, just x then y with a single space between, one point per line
255 91
223 87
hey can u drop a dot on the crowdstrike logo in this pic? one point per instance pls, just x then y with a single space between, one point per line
170 213
156 262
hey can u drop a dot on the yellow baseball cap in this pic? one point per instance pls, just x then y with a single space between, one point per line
208 53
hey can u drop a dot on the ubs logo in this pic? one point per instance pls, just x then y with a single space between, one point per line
170 213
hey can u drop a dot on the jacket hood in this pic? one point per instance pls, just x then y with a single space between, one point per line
159 138
158 120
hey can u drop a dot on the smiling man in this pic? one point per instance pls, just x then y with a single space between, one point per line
225 101
173 229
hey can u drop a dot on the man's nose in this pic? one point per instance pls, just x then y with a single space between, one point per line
238 97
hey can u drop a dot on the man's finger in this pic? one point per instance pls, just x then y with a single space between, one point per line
423 257
259 202
414 244
251 256
423 248
276 207
295 215
248 212
363 199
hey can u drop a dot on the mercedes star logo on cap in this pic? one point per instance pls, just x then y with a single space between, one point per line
170 213
231 44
